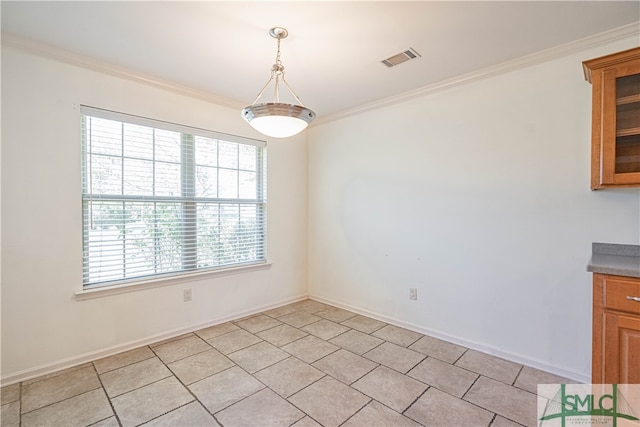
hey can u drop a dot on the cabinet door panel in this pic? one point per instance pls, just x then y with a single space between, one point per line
629 341
611 346
621 349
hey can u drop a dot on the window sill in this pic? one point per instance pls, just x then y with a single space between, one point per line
140 285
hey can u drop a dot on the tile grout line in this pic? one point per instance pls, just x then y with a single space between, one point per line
405 410
20 405
515 380
182 358
424 356
414 366
170 340
364 332
213 414
58 401
357 379
476 405
128 364
104 390
54 374
141 387
286 399
235 350
460 357
189 390
262 330
341 333
492 419
304 388
297 391
168 412
373 348
209 376
418 339
415 400
358 411
470 387
509 419
438 388
476 373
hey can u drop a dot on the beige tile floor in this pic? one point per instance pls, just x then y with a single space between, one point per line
304 364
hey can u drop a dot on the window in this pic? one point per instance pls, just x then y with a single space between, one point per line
162 199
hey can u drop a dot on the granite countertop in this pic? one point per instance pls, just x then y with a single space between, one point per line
619 260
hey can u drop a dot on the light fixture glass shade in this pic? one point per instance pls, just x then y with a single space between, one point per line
278 120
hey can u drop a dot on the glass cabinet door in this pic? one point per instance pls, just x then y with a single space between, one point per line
615 119
627 140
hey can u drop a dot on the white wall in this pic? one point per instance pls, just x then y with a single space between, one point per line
43 326
479 197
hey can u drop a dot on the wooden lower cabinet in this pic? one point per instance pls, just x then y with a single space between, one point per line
616 330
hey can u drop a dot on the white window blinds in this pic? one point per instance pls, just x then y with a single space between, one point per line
160 198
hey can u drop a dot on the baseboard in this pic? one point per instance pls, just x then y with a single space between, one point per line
70 362
513 357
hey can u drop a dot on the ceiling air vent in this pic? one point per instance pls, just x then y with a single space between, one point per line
401 57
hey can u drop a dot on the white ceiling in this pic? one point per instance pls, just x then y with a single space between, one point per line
333 52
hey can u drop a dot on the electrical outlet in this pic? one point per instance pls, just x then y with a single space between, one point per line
413 293
187 294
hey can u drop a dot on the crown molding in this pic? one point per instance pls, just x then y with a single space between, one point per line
61 55
619 33
65 56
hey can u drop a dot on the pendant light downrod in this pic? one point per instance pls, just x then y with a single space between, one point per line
277 119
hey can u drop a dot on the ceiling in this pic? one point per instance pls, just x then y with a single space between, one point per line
333 52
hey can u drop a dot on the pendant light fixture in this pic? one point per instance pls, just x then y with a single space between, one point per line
278 119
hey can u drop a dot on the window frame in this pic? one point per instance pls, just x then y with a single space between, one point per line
194 272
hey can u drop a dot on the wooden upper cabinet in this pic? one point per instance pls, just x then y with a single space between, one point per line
615 122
